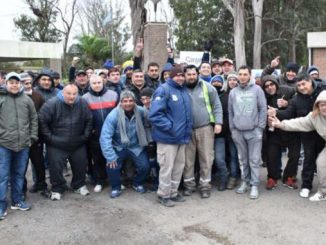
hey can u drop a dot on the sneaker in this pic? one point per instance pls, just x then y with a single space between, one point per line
23 206
318 197
243 188
291 183
82 191
205 194
115 193
271 184
165 201
123 187
178 198
98 188
304 193
139 188
55 196
46 193
187 192
232 183
254 192
3 215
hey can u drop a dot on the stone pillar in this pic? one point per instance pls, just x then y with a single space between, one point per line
155 40
56 65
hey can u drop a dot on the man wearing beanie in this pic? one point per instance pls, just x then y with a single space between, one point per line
288 77
313 72
171 118
44 84
207 121
124 136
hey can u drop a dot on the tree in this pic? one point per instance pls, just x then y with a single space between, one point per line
40 28
257 6
236 8
138 18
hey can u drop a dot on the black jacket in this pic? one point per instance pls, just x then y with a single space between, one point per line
63 126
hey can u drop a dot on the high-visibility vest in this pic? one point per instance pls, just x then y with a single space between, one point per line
207 102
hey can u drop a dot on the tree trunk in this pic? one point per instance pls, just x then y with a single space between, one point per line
257 6
138 18
239 33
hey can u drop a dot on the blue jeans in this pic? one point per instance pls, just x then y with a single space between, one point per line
142 168
234 161
12 165
219 148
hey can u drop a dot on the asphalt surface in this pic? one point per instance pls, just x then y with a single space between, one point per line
278 217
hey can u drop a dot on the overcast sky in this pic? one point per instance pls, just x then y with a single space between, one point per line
13 8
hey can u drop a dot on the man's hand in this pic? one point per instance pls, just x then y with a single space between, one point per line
170 52
274 122
139 47
75 61
282 103
112 164
217 128
275 62
271 112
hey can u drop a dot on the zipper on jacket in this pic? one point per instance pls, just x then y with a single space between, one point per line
17 119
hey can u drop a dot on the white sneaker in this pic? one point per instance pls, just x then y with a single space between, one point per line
82 191
304 193
318 197
243 188
254 192
98 188
123 187
55 196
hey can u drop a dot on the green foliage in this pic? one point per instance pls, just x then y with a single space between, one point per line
201 20
40 27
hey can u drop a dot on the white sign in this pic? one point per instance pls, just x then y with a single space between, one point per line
191 57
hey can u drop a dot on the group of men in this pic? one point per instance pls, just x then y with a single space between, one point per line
173 125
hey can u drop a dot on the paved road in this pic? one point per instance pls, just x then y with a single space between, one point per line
277 217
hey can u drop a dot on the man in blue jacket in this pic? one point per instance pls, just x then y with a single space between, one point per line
124 136
171 118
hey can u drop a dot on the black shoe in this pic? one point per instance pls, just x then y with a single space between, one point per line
178 198
187 192
45 193
205 194
165 201
222 186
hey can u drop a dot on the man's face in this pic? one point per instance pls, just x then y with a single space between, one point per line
129 73
45 82
97 84
138 79
82 80
216 69
146 100
70 94
205 69
166 75
179 79
314 76
153 72
270 88
305 87
191 76
244 76
322 108
290 75
13 86
114 77
89 72
56 81
227 68
127 104
27 84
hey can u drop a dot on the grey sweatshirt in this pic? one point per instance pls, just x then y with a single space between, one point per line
247 107
200 114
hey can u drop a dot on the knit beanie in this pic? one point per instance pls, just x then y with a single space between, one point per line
176 70
148 92
292 67
217 78
313 70
232 75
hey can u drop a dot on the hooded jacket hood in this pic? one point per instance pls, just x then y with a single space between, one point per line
43 73
321 97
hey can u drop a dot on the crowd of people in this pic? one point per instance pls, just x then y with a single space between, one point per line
160 132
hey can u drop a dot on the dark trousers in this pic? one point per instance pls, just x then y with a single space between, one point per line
37 160
275 144
99 167
312 146
57 161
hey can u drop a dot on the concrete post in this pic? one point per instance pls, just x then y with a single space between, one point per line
155 40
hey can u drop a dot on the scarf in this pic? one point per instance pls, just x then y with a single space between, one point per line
206 79
140 130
